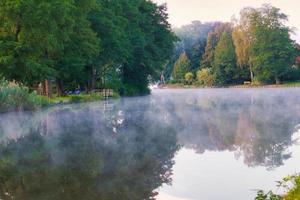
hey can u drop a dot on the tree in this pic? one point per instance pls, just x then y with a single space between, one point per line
212 41
181 67
151 40
28 44
273 51
109 23
46 40
243 39
192 40
224 64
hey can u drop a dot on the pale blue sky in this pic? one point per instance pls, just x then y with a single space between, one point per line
184 11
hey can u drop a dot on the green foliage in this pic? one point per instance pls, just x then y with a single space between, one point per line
181 67
212 40
224 65
257 47
189 77
205 77
268 196
273 51
14 97
290 183
84 42
294 192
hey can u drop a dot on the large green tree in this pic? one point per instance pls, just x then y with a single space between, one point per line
273 51
45 40
224 64
151 42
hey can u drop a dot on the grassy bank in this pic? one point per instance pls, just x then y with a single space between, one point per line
15 97
81 98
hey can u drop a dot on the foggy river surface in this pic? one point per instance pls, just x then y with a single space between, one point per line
205 144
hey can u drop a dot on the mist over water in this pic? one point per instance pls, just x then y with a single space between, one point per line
174 144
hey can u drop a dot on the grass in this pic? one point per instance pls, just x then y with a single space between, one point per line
292 84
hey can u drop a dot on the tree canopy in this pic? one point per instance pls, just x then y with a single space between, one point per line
86 44
257 48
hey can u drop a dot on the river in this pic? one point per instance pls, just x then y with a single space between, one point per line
193 144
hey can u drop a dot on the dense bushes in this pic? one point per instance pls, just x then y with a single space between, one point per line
205 77
14 97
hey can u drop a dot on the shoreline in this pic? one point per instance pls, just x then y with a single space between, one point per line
177 86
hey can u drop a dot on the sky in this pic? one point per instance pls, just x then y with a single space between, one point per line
184 11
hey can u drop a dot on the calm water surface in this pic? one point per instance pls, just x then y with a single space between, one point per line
207 144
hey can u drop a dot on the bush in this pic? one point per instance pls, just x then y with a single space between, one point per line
289 183
294 193
205 77
267 196
15 97
189 77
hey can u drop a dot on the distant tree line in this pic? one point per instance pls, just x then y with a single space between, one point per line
257 48
84 44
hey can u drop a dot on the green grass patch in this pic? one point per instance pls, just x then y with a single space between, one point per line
292 83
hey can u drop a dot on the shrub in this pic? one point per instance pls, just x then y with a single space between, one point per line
290 183
15 97
261 195
293 193
189 77
205 77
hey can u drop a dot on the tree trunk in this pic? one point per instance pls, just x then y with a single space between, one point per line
47 88
93 81
278 81
59 87
251 75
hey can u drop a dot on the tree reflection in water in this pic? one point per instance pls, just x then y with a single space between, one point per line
125 149
84 154
255 124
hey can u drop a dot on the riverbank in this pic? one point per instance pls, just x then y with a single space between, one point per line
15 97
36 102
183 86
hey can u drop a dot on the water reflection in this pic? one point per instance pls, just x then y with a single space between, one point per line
124 149
85 154
257 125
